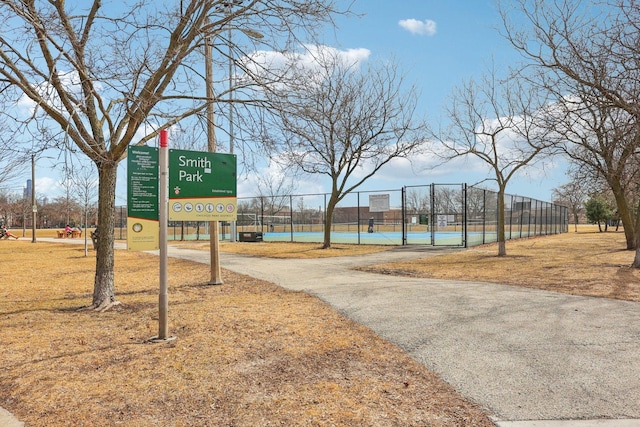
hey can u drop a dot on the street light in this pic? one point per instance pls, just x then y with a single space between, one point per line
251 34
214 245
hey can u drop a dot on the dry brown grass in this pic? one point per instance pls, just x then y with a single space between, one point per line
248 353
288 250
585 263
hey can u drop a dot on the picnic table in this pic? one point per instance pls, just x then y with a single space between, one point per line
74 234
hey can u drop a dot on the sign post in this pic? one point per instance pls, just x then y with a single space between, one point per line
163 299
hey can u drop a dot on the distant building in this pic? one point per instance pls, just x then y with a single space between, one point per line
26 194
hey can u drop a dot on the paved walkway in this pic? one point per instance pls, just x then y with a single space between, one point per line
530 358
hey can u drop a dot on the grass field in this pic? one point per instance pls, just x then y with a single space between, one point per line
248 352
587 263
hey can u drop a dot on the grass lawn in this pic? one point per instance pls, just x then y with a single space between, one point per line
248 353
587 263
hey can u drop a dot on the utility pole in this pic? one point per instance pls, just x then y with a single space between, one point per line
34 208
254 35
214 244
231 142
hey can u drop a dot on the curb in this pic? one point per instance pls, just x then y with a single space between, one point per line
8 420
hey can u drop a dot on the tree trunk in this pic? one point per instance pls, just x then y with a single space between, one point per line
625 215
327 223
104 285
636 260
502 247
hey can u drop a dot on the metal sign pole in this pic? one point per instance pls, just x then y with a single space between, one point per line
163 299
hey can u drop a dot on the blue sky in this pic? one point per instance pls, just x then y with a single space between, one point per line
436 44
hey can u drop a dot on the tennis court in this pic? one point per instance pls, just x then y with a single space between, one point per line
375 238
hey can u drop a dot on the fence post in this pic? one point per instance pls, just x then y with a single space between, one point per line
291 215
484 216
324 214
547 215
432 201
358 215
464 215
541 221
521 214
403 210
262 213
529 222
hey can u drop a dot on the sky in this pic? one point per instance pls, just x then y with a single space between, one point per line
436 44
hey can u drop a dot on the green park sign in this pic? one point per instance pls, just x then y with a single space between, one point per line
202 186
142 198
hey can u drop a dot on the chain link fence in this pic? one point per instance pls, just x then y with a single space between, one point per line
435 214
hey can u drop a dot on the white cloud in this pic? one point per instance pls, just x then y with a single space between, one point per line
421 28
47 186
70 82
307 59
248 186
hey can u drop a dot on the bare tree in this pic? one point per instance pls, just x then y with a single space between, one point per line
10 169
56 211
275 189
108 77
9 208
341 122
589 50
448 199
477 203
13 162
601 141
573 195
85 191
494 121
418 201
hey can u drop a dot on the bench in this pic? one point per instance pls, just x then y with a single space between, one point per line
250 236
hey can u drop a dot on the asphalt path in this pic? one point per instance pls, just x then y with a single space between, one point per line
530 358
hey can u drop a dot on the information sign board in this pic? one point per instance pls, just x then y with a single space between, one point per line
142 198
378 203
202 186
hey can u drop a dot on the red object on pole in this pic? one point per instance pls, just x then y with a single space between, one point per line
164 138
